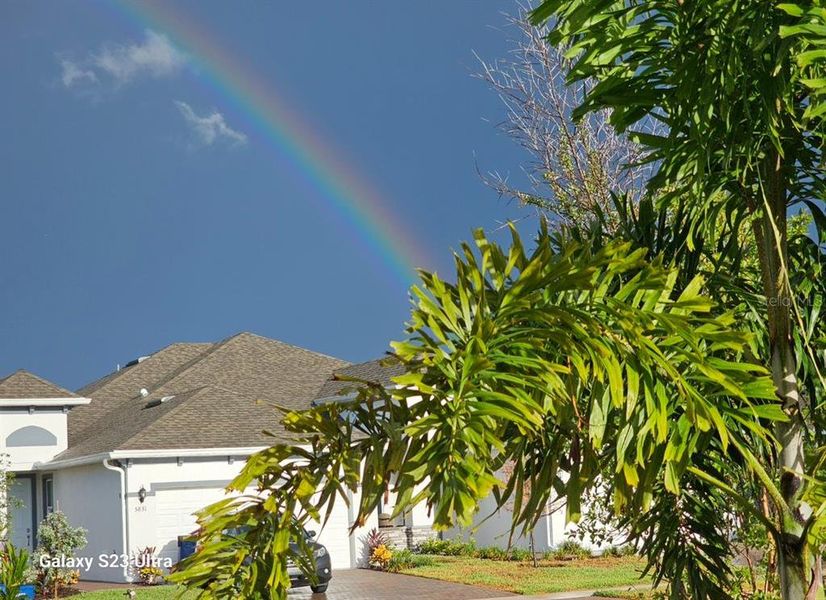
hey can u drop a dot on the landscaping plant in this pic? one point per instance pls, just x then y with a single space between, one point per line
447 547
14 568
570 550
57 538
407 559
7 501
148 570
380 557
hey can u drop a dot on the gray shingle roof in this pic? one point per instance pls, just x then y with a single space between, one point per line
124 386
379 371
22 384
220 395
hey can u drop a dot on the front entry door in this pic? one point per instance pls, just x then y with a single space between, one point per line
22 512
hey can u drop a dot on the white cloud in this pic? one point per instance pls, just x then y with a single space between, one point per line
73 74
211 128
118 64
155 56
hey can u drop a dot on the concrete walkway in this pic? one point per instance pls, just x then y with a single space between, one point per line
364 584
576 595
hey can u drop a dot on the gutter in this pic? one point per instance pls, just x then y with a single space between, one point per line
121 470
188 452
165 453
330 399
23 402
72 462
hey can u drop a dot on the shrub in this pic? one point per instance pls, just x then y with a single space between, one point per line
520 554
57 538
151 575
618 551
374 539
568 550
492 553
447 547
148 570
432 546
14 565
406 559
380 557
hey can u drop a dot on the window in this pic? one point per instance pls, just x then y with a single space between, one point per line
48 495
31 436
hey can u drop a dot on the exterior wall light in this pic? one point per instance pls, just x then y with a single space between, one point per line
142 495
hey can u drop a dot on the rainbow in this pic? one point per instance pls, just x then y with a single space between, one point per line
354 201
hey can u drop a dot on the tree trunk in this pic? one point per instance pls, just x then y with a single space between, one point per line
817 579
794 580
771 236
771 563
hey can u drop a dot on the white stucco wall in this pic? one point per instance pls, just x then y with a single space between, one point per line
188 486
90 497
357 554
551 530
492 528
196 483
23 457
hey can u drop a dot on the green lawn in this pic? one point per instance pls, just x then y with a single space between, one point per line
160 592
509 576
550 576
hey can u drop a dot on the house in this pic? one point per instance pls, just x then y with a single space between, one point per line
132 456
491 527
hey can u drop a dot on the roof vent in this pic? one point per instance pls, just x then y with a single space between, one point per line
159 402
144 392
138 360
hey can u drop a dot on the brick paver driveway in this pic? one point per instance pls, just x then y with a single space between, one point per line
362 584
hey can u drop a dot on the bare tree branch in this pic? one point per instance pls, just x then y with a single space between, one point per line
574 166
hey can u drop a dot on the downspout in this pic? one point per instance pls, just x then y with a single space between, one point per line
120 470
549 527
351 521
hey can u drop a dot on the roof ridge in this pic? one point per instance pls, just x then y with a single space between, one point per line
114 375
189 364
218 346
283 343
69 394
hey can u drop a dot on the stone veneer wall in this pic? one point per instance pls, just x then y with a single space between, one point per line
407 537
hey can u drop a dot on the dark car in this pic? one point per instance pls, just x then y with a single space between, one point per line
323 568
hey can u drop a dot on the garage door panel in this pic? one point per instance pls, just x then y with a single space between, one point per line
175 515
335 537
175 510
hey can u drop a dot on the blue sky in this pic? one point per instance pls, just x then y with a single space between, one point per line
141 207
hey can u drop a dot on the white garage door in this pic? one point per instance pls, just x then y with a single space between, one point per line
335 537
174 513
174 510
